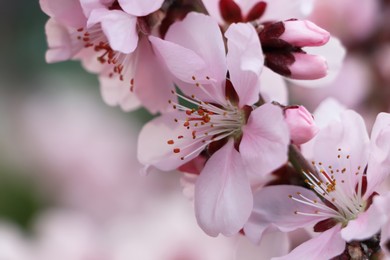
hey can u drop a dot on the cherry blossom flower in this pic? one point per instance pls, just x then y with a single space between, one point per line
340 199
109 38
223 118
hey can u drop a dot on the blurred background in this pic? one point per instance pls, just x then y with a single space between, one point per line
70 186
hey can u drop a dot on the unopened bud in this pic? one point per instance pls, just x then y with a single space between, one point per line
301 33
297 65
307 66
301 124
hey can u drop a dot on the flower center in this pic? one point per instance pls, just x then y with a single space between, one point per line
94 38
340 189
205 122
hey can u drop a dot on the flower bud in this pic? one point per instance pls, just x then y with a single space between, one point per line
301 33
297 65
301 124
306 66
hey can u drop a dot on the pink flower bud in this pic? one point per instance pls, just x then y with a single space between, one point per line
308 66
304 33
301 124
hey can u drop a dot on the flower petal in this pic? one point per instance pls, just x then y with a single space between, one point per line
120 28
116 92
264 141
191 34
140 7
151 82
379 161
59 42
365 225
273 87
223 197
153 147
325 246
274 206
342 147
245 61
68 12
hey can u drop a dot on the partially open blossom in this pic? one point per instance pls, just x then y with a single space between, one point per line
340 200
300 123
246 142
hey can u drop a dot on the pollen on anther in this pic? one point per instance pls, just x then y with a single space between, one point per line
193 78
339 156
290 196
176 120
347 156
170 142
207 77
176 150
339 149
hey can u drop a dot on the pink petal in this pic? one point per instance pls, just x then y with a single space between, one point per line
265 141
273 206
273 87
140 7
116 92
191 33
151 82
90 5
365 225
343 145
59 42
67 12
245 61
189 68
223 197
212 7
325 246
383 204
153 147
379 161
120 28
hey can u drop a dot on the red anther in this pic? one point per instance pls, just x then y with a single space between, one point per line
80 29
201 112
176 150
189 112
186 123
180 137
170 142
132 81
206 118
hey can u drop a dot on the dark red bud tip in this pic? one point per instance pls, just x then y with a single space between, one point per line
230 11
256 12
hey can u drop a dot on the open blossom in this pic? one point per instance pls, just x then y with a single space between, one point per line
340 200
109 37
246 142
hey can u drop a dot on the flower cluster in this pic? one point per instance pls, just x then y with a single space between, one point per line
216 72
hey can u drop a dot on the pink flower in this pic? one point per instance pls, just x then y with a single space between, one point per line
109 39
247 142
340 201
301 124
